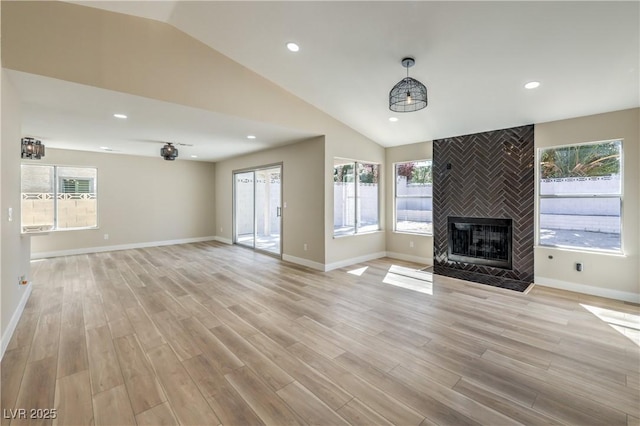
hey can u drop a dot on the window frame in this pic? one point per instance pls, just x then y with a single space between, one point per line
541 196
57 191
339 161
396 196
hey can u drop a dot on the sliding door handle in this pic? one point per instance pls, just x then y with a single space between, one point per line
278 211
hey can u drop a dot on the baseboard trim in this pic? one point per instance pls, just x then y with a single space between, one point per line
587 289
86 250
304 262
347 262
410 258
353 261
8 333
223 240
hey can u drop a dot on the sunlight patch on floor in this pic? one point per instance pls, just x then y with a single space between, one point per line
625 323
358 271
410 279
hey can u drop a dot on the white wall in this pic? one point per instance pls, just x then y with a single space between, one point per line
398 244
607 275
303 193
14 254
141 200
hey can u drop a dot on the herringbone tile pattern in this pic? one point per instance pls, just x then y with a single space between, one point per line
490 175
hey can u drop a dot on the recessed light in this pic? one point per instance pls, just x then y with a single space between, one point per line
393 119
293 47
104 147
120 116
194 156
251 137
532 85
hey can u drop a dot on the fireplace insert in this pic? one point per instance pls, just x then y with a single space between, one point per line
480 240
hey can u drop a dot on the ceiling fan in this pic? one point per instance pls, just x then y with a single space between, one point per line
169 151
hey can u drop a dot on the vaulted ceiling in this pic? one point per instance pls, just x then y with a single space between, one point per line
474 57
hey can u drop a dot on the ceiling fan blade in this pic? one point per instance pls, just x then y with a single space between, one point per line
162 142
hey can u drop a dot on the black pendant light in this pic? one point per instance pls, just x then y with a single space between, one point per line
31 149
409 94
169 152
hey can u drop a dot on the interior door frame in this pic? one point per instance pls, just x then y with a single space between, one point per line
234 235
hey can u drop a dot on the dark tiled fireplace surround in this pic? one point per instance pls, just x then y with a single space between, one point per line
483 180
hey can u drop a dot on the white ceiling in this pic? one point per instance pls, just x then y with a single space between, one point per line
474 57
74 116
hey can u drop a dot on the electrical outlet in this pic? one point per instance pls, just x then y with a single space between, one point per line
10 214
221 229
410 244
106 236
305 247
22 280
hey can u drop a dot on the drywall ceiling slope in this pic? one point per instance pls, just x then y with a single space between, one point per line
474 57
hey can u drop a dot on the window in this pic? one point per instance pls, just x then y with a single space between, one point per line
58 198
414 197
75 186
581 196
355 197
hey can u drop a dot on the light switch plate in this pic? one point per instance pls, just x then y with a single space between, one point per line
10 214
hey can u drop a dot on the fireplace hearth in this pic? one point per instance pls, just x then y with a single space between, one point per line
480 241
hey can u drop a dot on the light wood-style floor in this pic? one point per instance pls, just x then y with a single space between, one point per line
209 334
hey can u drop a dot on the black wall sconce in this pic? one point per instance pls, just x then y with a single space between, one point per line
32 149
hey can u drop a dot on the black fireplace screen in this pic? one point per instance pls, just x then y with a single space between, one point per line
482 241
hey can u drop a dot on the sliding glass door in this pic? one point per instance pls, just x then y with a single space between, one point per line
268 210
257 208
244 193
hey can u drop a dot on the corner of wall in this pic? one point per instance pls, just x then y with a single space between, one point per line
7 331
404 246
15 248
353 146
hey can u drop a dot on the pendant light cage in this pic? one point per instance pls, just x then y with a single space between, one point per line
169 152
409 94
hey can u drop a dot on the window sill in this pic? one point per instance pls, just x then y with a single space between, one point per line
53 231
337 237
419 234
579 250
